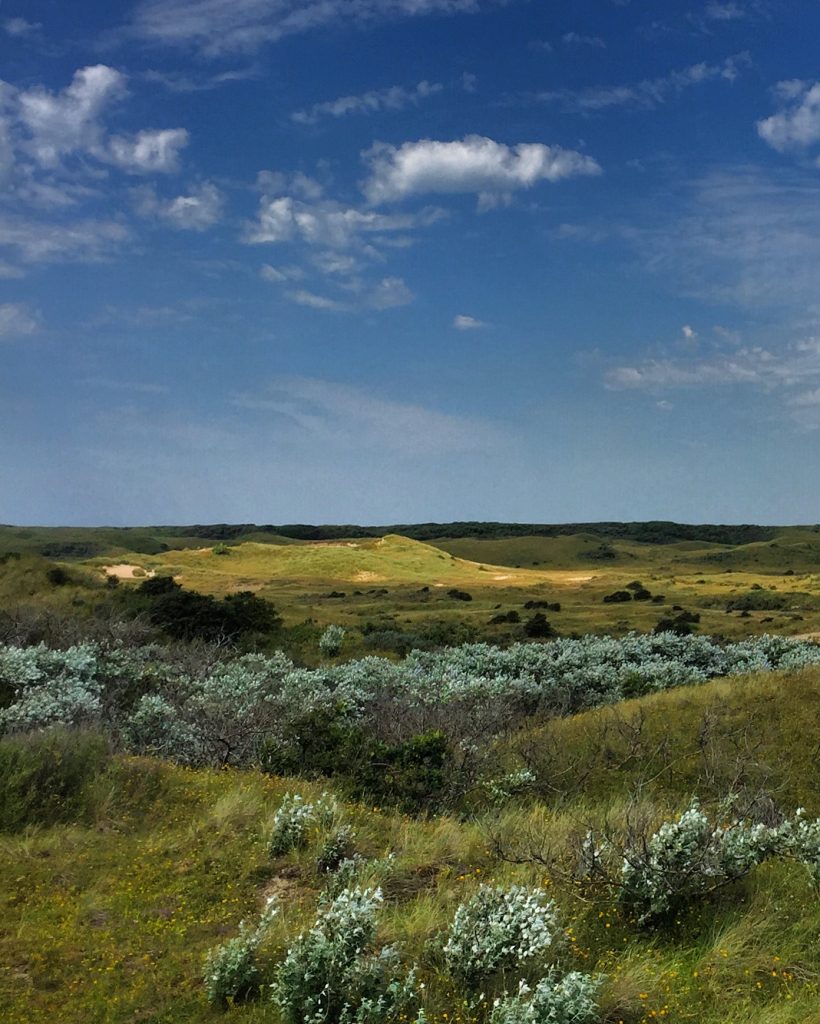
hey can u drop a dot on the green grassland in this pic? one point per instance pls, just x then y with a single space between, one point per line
398 582
106 917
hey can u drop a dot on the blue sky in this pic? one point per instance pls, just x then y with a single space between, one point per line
398 260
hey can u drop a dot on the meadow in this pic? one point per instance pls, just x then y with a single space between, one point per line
161 785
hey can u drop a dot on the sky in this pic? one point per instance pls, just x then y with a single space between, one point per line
385 261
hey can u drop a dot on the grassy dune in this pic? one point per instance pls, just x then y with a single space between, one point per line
107 918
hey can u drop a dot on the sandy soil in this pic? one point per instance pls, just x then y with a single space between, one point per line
125 571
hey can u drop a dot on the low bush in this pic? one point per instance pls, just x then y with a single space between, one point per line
500 930
335 973
232 973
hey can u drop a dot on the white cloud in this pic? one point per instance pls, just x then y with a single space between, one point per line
467 323
66 122
689 332
17 321
19 27
304 297
223 26
149 151
717 11
789 372
327 223
394 98
798 124
197 211
179 82
474 164
576 39
86 240
740 236
651 92
388 293
338 415
277 275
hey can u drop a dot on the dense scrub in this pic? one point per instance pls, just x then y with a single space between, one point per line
419 733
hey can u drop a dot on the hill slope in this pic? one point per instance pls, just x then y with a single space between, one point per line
107 919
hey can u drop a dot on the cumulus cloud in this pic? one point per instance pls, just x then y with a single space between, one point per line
40 130
17 320
467 323
200 209
222 26
66 122
797 125
474 164
394 98
648 93
148 152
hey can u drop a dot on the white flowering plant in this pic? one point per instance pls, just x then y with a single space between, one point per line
500 930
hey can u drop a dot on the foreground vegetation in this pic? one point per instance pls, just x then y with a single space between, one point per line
108 915
302 774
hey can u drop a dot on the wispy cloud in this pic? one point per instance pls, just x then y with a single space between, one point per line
19 28
397 97
791 373
388 293
740 236
199 210
474 164
223 26
52 241
578 39
17 320
648 93
188 82
339 415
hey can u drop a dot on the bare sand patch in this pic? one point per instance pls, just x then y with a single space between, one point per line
365 576
126 571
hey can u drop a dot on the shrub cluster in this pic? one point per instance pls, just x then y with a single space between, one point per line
423 717
685 860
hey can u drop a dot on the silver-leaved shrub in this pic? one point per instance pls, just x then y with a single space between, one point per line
335 974
556 999
500 930
331 640
687 859
231 970
295 818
